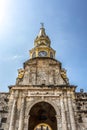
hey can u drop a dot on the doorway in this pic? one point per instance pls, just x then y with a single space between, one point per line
42 116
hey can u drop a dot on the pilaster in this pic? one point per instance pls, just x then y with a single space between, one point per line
12 119
63 116
71 113
21 119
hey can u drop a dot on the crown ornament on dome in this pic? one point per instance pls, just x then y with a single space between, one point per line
42 38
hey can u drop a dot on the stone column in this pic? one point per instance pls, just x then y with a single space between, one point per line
12 119
66 111
58 122
64 125
21 119
71 113
26 122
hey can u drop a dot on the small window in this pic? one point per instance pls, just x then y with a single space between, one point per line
80 119
3 120
51 54
6 100
78 107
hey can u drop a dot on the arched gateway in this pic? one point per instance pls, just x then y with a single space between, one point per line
42 117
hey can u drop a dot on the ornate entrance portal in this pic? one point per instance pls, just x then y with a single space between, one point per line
42 126
42 116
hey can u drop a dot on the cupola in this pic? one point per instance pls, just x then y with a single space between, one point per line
42 46
42 38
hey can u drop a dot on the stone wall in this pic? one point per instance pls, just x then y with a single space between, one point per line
23 98
81 110
70 107
4 99
40 71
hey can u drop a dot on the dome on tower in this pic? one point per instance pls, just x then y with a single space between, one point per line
42 38
42 46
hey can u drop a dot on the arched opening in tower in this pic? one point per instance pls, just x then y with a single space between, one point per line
42 116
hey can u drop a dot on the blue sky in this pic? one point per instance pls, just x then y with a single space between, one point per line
65 22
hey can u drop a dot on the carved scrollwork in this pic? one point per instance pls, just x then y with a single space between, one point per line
20 73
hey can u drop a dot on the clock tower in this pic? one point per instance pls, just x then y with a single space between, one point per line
42 46
45 68
42 97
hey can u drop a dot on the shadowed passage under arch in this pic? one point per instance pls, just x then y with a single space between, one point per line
42 112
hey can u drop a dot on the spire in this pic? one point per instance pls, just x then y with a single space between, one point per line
42 25
42 46
42 37
42 31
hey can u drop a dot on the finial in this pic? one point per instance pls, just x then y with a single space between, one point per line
42 25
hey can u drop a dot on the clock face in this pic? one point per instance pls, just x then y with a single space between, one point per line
42 53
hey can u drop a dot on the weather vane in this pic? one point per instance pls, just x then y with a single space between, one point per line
42 25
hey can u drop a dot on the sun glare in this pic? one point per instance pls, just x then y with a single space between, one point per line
4 15
2 10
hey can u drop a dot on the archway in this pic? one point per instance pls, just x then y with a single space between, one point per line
42 116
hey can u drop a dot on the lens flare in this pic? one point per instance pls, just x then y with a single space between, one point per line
4 15
2 10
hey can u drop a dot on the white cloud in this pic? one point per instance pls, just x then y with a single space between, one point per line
11 58
15 57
